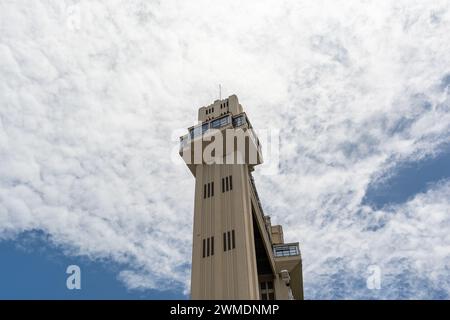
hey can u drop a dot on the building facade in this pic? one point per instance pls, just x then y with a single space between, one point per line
237 253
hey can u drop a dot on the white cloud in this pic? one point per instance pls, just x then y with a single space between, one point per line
91 91
409 240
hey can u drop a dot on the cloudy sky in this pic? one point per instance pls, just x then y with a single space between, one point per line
94 93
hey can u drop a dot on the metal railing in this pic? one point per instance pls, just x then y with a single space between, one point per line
236 121
286 250
258 202
252 182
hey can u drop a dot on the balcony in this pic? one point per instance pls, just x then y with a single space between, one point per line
286 250
235 122
203 128
239 146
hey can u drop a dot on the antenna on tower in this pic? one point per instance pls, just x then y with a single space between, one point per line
220 92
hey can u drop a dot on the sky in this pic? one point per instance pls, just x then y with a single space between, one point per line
93 95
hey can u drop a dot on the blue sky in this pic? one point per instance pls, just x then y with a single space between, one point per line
33 269
94 95
408 180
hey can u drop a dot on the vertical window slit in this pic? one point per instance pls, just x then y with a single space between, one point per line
233 240
229 240
204 248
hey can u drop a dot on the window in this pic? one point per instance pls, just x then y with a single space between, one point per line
267 292
233 241
199 130
208 190
238 121
224 241
286 250
208 247
229 241
204 248
220 122
227 184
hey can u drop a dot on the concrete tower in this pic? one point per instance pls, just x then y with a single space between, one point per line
237 253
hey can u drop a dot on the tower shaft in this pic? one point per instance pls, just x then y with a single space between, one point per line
236 252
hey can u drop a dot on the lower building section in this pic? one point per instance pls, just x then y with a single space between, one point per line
223 264
235 249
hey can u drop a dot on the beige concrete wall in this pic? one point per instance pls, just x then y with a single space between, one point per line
221 107
281 290
277 234
231 274
297 281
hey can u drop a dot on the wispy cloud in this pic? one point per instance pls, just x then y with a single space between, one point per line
91 92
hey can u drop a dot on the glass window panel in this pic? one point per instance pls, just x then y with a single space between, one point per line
220 122
198 130
238 121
